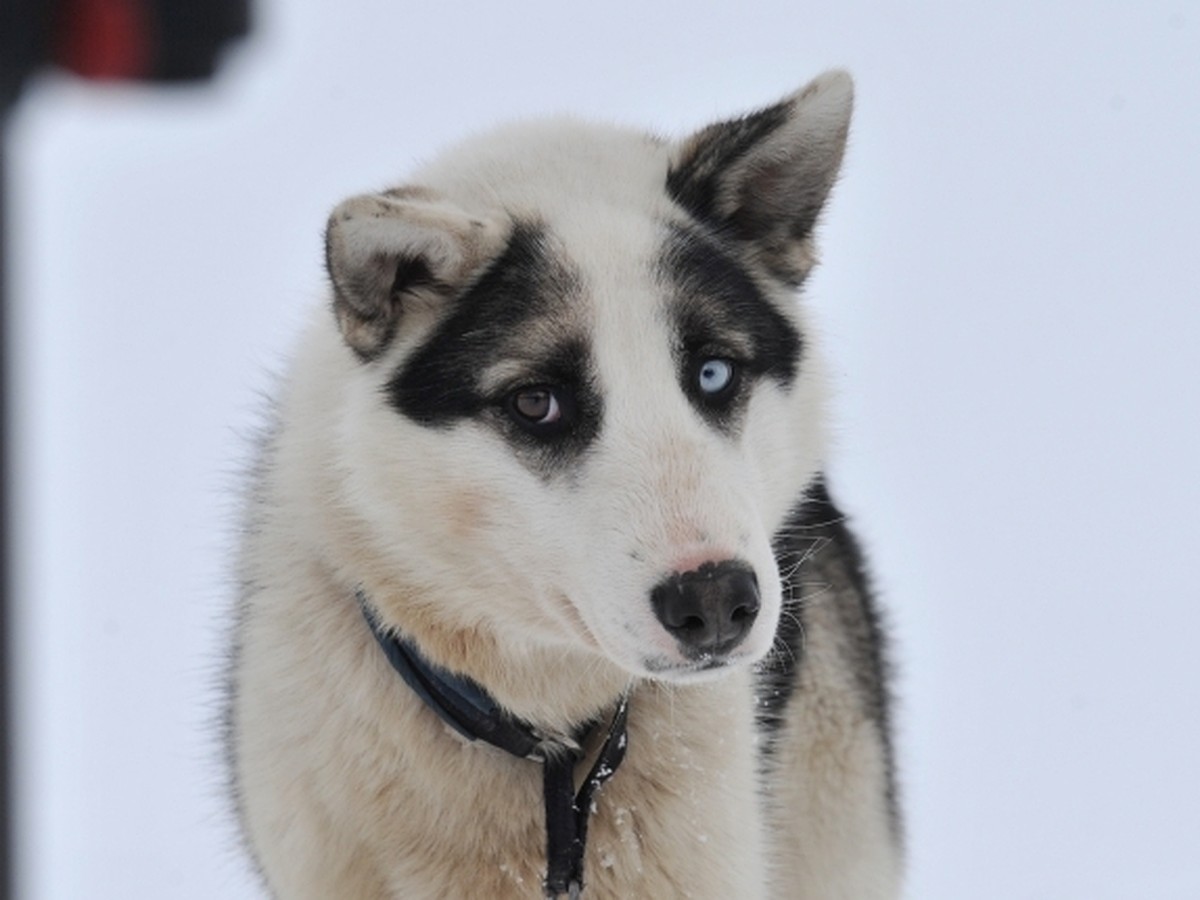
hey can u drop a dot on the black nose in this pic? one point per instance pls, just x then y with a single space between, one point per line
709 610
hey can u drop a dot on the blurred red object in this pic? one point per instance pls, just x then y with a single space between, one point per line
148 40
103 38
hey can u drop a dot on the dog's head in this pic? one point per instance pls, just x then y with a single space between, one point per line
584 399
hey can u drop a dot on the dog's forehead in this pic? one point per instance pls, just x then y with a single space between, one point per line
556 170
596 194
593 281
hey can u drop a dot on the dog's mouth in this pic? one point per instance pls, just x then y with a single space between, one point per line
700 669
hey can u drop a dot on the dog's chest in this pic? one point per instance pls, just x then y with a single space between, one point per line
679 819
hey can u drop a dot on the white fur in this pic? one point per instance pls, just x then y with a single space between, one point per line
349 787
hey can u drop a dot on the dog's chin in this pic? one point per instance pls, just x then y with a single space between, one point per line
693 671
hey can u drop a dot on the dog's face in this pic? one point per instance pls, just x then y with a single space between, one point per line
584 399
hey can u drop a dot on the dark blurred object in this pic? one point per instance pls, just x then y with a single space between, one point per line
22 45
148 40
160 40
152 40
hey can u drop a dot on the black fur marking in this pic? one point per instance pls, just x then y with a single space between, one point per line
519 311
695 182
823 563
718 311
411 273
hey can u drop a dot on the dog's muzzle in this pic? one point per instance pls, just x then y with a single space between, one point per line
709 610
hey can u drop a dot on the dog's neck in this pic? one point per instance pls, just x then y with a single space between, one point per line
469 709
462 703
551 686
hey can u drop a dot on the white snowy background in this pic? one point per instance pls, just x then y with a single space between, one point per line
1010 295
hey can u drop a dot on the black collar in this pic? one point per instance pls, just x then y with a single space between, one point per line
471 711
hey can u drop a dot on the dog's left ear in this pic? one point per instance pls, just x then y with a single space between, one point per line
763 178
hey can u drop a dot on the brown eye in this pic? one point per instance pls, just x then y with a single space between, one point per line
537 406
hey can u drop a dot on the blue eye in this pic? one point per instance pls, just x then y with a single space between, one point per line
714 376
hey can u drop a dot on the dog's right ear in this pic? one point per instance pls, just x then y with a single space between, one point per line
392 252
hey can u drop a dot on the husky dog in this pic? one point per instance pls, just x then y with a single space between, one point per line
554 461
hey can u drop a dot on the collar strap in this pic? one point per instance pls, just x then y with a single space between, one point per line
471 711
462 703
